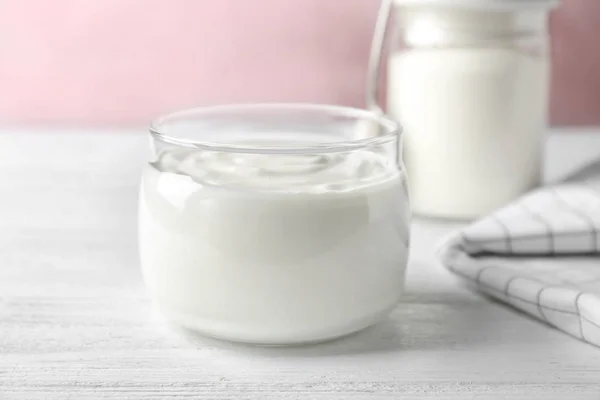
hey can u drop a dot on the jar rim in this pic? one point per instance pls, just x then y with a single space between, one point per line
391 129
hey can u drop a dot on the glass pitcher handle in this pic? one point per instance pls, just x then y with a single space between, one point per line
377 45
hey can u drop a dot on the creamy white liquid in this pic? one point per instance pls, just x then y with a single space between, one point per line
273 249
474 120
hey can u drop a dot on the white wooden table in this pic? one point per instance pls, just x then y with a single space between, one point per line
75 322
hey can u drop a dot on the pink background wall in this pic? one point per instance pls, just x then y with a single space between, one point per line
125 61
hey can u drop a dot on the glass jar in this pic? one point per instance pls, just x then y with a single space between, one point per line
468 80
274 224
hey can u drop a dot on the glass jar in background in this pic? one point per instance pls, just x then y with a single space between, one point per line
274 224
468 80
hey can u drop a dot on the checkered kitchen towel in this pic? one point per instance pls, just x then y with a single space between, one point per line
540 254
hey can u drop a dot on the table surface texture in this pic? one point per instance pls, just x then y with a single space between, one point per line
75 321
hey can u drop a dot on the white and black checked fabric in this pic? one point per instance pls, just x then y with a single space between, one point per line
540 254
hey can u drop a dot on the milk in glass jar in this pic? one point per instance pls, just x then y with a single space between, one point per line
468 80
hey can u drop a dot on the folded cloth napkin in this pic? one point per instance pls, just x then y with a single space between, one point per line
540 255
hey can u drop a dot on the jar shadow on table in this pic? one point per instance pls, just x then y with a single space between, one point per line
424 321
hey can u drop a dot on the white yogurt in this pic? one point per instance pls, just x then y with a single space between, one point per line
273 249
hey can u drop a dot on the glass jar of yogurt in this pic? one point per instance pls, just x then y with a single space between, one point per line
274 224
